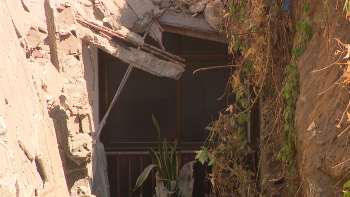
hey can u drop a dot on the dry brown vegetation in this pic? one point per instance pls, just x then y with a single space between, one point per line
260 41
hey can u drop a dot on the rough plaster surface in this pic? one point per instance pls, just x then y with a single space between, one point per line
212 10
28 166
46 119
319 151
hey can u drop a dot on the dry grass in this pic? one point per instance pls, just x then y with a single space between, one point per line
267 44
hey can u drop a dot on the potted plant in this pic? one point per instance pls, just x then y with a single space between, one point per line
170 181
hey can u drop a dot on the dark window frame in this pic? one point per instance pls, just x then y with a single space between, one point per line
190 57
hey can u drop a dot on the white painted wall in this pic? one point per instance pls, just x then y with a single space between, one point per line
89 73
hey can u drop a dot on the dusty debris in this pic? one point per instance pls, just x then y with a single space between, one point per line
44 97
28 148
214 12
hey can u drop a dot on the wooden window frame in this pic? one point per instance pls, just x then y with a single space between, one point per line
209 56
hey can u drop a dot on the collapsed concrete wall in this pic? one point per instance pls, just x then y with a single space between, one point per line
30 160
46 120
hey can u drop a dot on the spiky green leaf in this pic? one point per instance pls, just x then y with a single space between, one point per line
156 160
144 175
167 160
156 125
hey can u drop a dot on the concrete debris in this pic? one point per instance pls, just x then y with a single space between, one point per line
40 162
214 12
27 147
45 106
198 7
80 146
185 179
3 129
100 182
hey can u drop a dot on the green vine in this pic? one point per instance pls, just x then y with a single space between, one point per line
346 189
254 30
291 92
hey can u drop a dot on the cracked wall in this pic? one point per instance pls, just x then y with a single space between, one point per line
46 119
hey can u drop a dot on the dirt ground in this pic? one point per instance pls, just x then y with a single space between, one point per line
319 150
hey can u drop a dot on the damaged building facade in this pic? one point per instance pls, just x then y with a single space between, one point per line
55 89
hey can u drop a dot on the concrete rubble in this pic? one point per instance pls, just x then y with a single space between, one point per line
46 120
213 11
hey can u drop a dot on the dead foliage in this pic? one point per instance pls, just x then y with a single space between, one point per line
261 47
344 63
232 176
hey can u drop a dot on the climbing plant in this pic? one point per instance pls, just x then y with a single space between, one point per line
291 91
252 28
265 69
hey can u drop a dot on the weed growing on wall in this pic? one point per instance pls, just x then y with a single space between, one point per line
291 92
261 50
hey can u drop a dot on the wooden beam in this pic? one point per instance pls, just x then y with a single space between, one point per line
185 24
207 35
185 21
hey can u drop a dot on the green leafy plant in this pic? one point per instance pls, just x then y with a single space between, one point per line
325 2
291 92
203 156
167 167
347 6
304 33
346 189
291 188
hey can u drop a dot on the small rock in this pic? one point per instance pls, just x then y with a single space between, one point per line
3 129
82 190
37 54
213 13
199 7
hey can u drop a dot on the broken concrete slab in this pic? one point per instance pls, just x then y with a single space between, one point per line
3 129
27 147
214 12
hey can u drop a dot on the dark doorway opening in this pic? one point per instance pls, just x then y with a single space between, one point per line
182 108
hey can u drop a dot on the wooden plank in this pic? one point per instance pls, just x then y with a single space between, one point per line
207 35
185 21
190 26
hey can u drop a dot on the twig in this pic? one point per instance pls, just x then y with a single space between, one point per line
342 118
301 184
343 131
145 46
163 56
121 86
343 150
207 68
341 163
341 179
335 83
336 7
263 81
227 86
330 64
277 180
341 44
